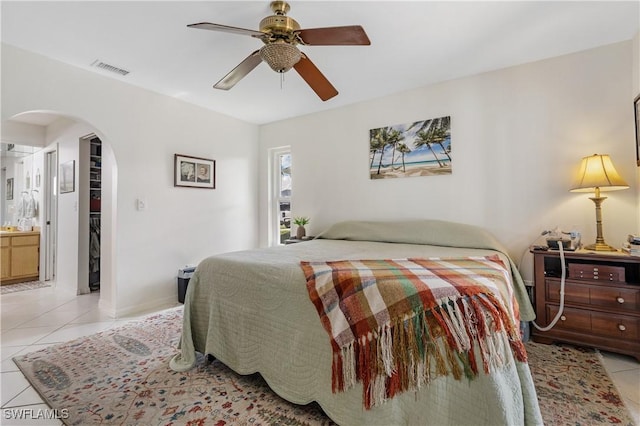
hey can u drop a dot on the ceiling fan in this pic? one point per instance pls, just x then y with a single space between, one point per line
280 35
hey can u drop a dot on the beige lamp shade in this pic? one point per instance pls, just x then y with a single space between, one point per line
597 171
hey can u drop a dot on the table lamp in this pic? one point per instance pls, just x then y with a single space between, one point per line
598 174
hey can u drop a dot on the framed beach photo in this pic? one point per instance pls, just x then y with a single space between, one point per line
419 148
68 177
636 109
194 172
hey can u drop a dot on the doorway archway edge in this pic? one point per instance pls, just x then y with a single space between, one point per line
46 129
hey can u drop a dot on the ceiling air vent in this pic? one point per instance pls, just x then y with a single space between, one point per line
99 64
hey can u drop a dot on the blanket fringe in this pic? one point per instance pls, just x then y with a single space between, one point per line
407 353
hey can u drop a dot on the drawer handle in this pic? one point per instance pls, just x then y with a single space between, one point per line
621 327
563 318
620 300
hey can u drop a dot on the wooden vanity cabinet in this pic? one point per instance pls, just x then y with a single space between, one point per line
20 257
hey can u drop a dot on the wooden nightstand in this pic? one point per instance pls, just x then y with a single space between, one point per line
602 300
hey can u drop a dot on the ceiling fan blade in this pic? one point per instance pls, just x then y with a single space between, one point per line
315 79
239 72
332 36
226 29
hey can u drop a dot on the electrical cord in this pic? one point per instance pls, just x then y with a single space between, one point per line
562 281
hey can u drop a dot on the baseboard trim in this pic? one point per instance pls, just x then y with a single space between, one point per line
151 306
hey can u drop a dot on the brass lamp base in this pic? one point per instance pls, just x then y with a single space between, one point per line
600 247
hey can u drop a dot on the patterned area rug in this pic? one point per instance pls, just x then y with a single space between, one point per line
573 386
31 285
121 376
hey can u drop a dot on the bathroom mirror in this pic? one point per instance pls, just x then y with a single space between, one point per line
11 150
21 175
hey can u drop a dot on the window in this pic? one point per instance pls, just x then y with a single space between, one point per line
280 222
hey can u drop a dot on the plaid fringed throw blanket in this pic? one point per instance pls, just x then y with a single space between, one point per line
395 324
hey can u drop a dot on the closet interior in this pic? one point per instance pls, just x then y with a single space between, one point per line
95 189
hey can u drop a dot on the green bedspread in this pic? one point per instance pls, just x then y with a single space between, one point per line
251 310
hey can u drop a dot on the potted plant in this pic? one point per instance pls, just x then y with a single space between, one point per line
300 222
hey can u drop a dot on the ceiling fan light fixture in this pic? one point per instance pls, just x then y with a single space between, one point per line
281 34
281 57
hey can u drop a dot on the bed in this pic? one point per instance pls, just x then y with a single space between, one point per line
252 311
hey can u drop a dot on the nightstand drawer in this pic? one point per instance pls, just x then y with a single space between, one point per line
585 271
619 326
573 293
596 323
620 299
625 299
571 319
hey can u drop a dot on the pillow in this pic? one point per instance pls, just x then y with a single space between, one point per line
433 232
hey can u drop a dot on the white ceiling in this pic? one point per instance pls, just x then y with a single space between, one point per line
413 44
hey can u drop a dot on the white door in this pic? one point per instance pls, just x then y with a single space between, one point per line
50 214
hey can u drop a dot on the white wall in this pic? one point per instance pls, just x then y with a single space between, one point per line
145 130
636 64
518 135
68 229
23 133
636 92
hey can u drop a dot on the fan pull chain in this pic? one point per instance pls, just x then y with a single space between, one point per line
281 80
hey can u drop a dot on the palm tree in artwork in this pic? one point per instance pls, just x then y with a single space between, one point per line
433 131
424 138
403 149
383 136
380 139
436 123
375 144
394 139
438 136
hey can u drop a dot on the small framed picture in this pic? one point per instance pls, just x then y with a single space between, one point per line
194 172
9 193
636 108
68 177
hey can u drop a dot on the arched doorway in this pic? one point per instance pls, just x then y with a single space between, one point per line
65 235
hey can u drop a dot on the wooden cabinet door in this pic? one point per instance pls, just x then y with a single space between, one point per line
5 255
24 261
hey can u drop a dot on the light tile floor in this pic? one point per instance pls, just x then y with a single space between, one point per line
34 319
